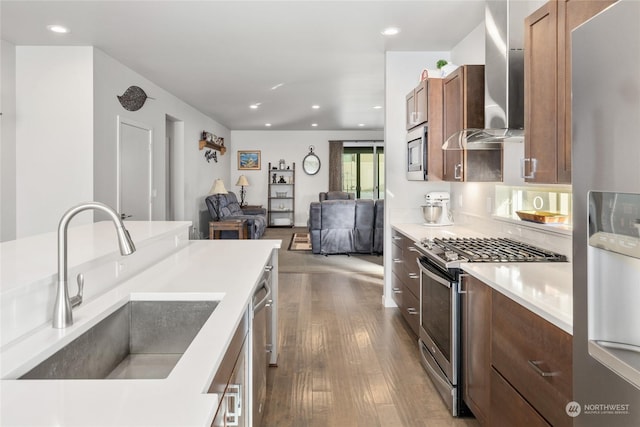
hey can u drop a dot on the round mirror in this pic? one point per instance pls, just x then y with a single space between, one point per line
311 162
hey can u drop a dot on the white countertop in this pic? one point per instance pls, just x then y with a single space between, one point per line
545 288
216 270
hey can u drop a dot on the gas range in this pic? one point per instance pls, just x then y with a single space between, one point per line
450 252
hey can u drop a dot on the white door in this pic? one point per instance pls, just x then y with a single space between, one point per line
134 170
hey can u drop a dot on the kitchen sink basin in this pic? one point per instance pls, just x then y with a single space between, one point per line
141 340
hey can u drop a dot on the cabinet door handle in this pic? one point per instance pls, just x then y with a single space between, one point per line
397 290
414 276
412 249
534 365
457 171
234 404
397 260
534 167
412 311
397 238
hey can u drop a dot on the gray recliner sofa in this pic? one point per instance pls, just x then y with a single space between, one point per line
344 226
230 209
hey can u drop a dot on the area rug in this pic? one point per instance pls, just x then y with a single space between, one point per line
300 242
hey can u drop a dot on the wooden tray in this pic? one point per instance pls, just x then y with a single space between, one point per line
543 217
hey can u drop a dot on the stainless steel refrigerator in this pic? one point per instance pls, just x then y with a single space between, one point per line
606 213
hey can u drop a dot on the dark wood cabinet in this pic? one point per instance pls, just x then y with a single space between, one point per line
508 408
534 356
417 105
424 105
548 87
405 281
476 347
463 106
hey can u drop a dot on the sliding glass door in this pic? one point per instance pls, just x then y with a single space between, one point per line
363 170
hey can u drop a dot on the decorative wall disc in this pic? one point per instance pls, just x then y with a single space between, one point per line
133 98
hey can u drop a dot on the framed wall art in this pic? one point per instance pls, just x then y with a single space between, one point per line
249 160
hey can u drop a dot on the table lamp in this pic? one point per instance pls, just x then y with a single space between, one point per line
242 182
217 190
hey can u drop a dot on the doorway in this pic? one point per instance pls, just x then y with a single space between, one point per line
134 170
363 169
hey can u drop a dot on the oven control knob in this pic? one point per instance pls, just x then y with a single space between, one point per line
427 243
451 255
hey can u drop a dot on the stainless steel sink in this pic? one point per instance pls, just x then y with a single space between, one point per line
141 340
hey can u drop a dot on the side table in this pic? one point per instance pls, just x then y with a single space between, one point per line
239 225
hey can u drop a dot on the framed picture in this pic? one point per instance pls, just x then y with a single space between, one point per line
249 160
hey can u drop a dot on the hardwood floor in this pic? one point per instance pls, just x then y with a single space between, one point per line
345 360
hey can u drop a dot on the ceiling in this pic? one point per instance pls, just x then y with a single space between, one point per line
222 56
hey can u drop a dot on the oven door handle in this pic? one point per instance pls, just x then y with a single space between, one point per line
434 276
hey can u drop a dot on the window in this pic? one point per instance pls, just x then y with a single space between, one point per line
363 170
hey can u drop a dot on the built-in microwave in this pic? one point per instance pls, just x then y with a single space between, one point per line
417 154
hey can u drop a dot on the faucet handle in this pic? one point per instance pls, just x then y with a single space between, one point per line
77 300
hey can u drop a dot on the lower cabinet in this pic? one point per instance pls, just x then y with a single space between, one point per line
476 347
517 367
405 280
509 408
231 382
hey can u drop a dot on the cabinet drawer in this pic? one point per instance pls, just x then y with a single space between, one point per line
397 260
508 408
410 309
396 289
534 356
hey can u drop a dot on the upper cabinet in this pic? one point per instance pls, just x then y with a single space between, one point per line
463 98
417 105
424 107
547 88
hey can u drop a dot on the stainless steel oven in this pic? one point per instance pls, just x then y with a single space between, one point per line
440 331
440 318
417 154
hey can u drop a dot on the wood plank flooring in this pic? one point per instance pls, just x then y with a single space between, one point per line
345 360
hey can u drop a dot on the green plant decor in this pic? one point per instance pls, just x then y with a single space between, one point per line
441 63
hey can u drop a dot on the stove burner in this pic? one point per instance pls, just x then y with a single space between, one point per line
495 250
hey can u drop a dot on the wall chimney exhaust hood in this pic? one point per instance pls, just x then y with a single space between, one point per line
504 75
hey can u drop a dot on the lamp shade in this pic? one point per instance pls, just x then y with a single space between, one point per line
242 181
218 187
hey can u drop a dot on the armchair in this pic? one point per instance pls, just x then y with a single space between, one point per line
229 209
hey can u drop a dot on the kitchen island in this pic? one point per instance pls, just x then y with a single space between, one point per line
191 270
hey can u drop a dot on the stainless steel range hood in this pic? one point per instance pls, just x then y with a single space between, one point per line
504 75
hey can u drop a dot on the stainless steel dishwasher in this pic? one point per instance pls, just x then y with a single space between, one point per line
261 331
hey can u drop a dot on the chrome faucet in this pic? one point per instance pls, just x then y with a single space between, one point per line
62 310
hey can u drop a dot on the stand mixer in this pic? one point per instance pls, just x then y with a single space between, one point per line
436 209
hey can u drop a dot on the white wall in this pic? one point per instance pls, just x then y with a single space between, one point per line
470 50
59 148
192 170
291 146
54 130
403 198
8 142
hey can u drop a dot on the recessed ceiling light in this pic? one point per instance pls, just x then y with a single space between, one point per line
268 125
361 124
315 125
255 106
377 107
277 86
391 31
315 107
58 29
